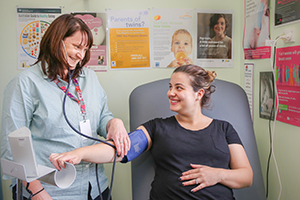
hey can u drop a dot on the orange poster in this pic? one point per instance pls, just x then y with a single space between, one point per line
129 47
129 39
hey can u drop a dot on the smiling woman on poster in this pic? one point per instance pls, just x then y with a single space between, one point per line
219 46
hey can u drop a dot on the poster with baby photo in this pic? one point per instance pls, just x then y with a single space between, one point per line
96 21
172 39
214 43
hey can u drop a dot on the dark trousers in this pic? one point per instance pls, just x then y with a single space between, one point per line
105 194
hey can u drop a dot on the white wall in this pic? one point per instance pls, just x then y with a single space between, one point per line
119 84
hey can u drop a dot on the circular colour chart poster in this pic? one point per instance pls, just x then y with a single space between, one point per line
31 36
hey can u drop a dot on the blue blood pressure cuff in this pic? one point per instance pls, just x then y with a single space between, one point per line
139 144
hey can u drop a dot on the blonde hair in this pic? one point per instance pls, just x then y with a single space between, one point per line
181 31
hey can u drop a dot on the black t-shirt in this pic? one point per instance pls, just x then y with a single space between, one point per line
174 148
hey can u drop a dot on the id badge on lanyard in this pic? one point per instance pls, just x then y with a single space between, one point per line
85 128
85 124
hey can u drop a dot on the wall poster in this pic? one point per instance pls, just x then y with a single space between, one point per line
288 84
129 39
96 21
256 29
266 95
172 37
248 84
286 11
214 43
31 26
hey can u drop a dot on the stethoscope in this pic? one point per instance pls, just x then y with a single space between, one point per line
91 138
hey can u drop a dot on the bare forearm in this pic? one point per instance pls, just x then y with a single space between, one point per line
240 175
37 190
236 178
99 153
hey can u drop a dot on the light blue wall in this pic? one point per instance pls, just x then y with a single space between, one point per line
119 84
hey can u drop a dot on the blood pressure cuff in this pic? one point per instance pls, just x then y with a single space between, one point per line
139 144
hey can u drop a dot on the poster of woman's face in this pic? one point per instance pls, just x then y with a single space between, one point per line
214 39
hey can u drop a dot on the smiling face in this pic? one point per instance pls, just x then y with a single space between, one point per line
76 47
182 97
220 26
181 42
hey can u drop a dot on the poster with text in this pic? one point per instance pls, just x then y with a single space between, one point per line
31 26
172 40
287 11
214 41
288 84
248 84
97 24
129 39
256 29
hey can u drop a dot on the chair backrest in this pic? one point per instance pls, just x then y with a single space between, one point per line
229 102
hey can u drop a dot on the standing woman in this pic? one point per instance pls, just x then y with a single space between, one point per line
196 157
219 46
34 99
